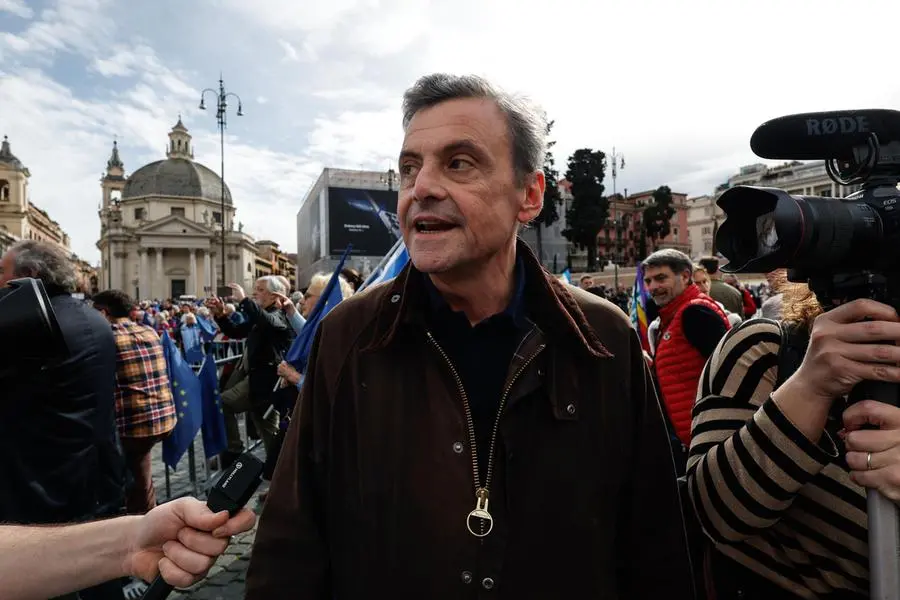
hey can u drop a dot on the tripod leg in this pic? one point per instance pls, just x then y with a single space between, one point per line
884 520
884 537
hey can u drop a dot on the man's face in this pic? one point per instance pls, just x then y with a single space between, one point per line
587 283
664 285
261 294
701 278
460 201
6 268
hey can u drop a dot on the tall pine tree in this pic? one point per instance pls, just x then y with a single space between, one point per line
589 210
550 211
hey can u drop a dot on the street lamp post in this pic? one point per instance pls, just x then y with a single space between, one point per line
221 98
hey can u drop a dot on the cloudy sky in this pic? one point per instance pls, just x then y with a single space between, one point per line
677 87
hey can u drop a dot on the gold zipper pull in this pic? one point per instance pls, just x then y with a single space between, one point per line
482 499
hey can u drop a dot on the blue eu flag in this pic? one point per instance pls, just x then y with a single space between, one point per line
299 351
207 329
214 439
188 405
190 339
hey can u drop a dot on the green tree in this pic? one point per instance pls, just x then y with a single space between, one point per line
588 212
550 211
642 247
658 215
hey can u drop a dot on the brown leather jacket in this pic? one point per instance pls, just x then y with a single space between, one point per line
374 482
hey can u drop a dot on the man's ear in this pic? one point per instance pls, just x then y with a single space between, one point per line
533 200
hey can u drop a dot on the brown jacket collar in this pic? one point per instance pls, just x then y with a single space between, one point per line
550 305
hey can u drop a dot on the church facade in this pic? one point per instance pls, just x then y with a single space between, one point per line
161 227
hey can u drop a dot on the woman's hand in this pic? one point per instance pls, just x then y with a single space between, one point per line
285 304
873 455
844 350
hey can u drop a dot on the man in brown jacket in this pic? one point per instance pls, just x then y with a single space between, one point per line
473 428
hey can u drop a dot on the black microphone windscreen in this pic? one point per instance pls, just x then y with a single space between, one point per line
824 135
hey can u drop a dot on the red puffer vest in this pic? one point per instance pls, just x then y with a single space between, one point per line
678 364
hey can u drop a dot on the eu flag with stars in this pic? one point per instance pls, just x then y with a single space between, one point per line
214 439
188 403
298 353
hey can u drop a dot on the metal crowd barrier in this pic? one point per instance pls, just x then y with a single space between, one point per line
224 353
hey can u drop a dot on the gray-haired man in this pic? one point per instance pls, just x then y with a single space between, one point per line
473 428
268 336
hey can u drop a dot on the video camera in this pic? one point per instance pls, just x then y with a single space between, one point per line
844 248
28 325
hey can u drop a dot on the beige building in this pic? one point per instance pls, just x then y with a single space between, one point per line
6 240
703 219
19 217
795 177
270 260
160 227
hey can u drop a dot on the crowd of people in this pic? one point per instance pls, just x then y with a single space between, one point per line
475 426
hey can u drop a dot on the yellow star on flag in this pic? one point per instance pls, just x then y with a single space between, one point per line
181 415
183 393
174 384
184 403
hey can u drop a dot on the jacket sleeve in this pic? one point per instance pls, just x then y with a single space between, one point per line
747 461
290 556
232 329
297 321
703 328
652 529
274 320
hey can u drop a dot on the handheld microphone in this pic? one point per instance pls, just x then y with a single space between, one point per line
231 492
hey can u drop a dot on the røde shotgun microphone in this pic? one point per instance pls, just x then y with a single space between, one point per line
231 492
825 135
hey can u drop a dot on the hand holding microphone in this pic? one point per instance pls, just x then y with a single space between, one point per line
183 553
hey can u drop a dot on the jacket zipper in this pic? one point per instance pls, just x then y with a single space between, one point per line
482 492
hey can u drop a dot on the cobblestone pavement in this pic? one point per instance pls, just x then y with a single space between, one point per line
226 579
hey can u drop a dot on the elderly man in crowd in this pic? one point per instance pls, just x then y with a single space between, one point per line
268 336
473 423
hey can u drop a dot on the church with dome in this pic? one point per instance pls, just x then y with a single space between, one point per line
161 227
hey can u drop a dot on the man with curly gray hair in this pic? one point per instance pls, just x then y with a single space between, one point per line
58 419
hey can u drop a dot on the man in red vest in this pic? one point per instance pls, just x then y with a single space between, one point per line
690 325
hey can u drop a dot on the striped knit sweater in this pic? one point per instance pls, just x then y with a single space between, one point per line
769 498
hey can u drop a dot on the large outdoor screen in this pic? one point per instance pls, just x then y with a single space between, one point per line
365 218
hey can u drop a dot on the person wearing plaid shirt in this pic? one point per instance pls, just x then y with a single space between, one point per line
145 409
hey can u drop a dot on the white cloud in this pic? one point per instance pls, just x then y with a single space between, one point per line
17 8
290 53
82 26
677 87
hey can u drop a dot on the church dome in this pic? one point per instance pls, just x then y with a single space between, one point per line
180 177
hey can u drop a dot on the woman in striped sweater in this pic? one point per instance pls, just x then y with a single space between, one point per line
778 477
